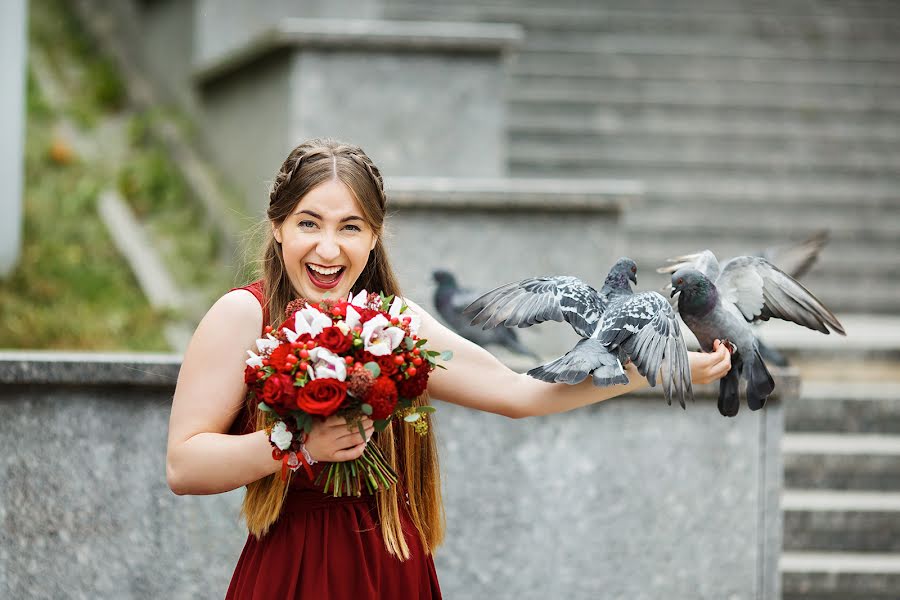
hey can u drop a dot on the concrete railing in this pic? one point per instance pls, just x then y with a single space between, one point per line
626 499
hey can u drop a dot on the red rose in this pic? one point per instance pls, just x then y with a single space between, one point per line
415 385
322 396
385 363
334 339
278 358
279 391
382 397
250 375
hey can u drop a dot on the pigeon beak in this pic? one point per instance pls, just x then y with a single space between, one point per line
633 277
674 291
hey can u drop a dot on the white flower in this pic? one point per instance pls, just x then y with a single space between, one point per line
414 319
353 318
254 360
308 320
414 322
344 328
326 364
379 338
360 299
281 437
267 345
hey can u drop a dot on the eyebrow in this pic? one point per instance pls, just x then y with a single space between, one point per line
318 216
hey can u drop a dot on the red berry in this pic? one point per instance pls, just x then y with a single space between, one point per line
268 329
416 351
348 360
411 371
295 345
303 366
260 374
291 359
417 361
265 362
277 453
406 320
336 311
394 320
304 353
399 359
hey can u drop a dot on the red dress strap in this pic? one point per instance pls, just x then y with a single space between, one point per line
256 288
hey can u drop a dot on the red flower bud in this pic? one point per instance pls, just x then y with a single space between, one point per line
348 360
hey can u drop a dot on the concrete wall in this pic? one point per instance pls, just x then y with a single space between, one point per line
628 499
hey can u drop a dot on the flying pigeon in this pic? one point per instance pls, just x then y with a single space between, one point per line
450 300
721 302
794 259
615 324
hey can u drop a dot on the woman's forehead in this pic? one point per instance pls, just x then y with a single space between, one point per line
329 199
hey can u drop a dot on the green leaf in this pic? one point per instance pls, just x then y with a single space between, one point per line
410 343
362 430
381 424
366 408
432 353
421 342
264 407
446 355
404 403
425 409
412 418
373 367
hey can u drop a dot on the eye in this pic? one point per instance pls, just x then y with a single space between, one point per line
680 281
352 227
306 223
634 269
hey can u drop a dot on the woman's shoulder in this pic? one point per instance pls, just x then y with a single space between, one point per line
238 309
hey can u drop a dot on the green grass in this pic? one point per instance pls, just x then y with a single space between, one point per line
71 289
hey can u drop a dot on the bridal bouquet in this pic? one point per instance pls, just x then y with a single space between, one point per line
353 358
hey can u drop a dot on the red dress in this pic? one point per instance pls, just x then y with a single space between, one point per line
323 547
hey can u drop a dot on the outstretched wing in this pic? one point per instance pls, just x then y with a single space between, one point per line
760 290
539 299
645 328
704 261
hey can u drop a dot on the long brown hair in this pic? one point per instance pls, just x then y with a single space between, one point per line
414 456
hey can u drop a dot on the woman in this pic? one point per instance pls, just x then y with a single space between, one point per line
326 211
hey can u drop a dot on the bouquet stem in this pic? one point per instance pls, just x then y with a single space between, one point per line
347 478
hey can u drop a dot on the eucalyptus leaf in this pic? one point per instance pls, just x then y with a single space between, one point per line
366 408
264 407
373 367
425 409
410 343
446 355
412 418
382 424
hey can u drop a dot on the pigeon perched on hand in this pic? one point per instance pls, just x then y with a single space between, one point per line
615 324
450 300
794 259
720 303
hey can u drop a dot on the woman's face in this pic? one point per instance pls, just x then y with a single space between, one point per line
325 242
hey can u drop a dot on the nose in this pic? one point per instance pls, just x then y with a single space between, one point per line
327 247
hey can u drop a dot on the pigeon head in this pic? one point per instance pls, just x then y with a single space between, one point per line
621 273
442 277
696 290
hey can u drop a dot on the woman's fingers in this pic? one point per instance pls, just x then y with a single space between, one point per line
349 453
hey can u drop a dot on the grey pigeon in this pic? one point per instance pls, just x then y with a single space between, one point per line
615 325
794 259
720 303
450 300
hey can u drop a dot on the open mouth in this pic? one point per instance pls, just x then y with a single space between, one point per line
324 277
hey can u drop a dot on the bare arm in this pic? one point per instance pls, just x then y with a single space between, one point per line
476 379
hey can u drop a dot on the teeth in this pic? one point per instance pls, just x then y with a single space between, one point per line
323 270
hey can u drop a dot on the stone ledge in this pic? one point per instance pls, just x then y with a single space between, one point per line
354 35
88 368
513 194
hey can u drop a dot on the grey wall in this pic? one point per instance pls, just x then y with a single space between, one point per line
628 499
13 31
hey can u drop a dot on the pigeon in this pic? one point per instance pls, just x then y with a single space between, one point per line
721 302
615 324
794 259
450 300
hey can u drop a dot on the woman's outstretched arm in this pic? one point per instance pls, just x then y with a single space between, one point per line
476 379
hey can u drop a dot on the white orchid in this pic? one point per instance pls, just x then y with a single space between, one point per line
353 318
255 360
281 437
414 319
360 299
326 364
308 320
267 344
379 337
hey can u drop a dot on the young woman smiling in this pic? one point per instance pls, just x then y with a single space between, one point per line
326 210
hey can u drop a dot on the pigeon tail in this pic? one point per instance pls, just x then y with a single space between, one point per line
728 392
759 381
772 356
588 356
609 374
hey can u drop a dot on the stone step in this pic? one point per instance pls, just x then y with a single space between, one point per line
842 471
866 408
795 72
847 521
839 576
601 18
830 100
636 126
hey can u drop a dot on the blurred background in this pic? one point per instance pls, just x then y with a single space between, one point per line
517 138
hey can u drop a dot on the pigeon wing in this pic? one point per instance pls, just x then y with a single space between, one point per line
704 261
797 259
539 299
760 291
644 326
589 356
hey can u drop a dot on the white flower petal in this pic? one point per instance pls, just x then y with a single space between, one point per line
395 335
254 360
396 305
281 437
360 299
414 322
290 334
317 320
353 318
327 364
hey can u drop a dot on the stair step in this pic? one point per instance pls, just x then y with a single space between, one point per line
860 472
841 531
840 500
842 444
839 576
865 409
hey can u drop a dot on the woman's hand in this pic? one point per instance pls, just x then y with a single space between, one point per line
331 441
707 367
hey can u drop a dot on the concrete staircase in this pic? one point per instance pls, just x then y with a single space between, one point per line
842 493
752 123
